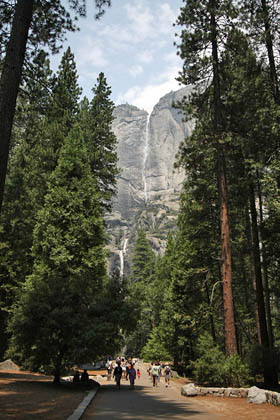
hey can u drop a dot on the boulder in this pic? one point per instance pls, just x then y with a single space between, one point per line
244 392
9 365
256 395
227 392
189 390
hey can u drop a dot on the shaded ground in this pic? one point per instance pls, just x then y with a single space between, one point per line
27 396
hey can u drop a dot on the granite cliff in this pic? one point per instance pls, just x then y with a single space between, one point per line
148 186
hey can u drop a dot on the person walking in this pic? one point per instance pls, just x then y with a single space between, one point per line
132 376
167 375
118 374
155 370
138 374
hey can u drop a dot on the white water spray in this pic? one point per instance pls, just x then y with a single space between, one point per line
122 254
146 147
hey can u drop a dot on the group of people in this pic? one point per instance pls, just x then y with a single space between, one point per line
124 369
155 371
84 379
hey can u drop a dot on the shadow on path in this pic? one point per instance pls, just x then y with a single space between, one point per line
144 402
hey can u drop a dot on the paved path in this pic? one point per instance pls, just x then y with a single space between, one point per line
144 402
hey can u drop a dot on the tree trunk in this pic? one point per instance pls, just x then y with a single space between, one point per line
253 271
10 81
211 319
258 273
269 366
269 48
265 274
230 333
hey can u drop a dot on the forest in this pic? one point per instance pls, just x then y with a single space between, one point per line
210 303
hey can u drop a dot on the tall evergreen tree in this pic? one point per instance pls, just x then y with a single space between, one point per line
34 24
53 324
141 283
17 216
202 31
96 119
262 22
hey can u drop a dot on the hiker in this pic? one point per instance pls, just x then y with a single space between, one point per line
138 374
132 376
167 374
118 374
155 370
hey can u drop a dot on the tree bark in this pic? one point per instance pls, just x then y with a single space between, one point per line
258 273
230 332
270 53
265 273
269 365
211 319
253 271
10 81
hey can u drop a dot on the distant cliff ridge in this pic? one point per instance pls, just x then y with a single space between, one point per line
148 186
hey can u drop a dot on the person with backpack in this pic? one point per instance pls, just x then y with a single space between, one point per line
167 374
155 372
118 374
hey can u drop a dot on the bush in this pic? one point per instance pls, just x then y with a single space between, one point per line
215 368
209 365
236 373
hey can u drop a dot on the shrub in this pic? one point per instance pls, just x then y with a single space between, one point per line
236 372
215 368
208 367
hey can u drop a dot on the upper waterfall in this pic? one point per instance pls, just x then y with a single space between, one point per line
146 150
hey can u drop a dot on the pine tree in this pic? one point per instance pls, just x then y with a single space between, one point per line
202 31
261 20
53 324
96 119
141 284
17 216
31 24
253 119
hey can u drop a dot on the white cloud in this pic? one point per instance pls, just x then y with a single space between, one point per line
89 53
135 70
145 56
142 23
166 18
141 19
146 97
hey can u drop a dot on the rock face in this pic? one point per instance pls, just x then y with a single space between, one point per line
148 186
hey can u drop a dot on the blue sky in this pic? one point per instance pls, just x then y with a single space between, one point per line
133 45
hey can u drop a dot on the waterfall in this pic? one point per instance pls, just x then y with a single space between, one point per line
122 254
146 147
121 262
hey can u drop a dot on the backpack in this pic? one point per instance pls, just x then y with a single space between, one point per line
155 370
